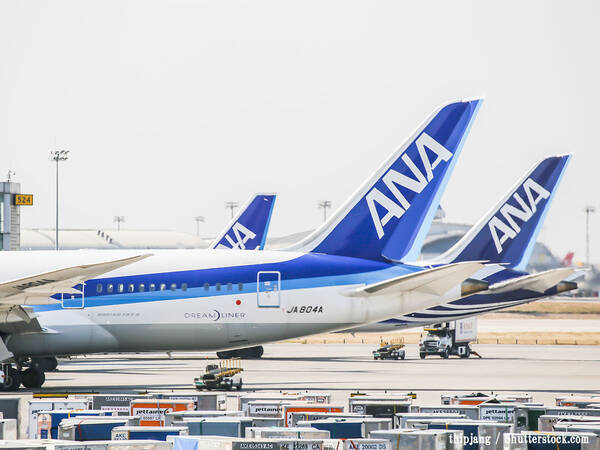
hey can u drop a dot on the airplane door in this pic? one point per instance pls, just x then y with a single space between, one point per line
268 285
74 301
237 332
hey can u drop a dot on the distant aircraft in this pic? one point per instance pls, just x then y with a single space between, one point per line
567 260
73 302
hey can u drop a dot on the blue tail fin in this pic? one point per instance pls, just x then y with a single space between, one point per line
508 232
248 230
401 197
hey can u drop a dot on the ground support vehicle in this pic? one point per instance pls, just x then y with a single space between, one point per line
450 338
394 349
225 375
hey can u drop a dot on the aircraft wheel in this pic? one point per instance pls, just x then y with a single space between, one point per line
45 364
12 379
33 378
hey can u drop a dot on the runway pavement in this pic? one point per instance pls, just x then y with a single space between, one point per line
540 370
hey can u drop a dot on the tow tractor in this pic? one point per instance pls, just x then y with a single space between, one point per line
394 349
449 338
225 375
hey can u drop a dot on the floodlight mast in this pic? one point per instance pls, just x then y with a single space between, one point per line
58 156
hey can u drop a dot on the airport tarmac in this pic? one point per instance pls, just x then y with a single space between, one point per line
338 368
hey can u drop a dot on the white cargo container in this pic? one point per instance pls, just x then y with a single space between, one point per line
546 422
286 432
512 413
244 399
267 408
469 411
177 416
400 421
36 405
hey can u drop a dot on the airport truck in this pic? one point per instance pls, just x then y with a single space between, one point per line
225 375
449 338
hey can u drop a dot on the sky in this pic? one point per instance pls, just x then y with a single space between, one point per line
171 108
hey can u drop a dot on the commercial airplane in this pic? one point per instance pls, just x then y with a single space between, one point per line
213 300
504 238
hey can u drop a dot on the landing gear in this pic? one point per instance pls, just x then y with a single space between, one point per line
244 353
12 379
45 364
33 378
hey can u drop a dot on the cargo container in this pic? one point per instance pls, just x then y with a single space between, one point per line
152 412
303 417
537 440
115 402
577 401
8 429
400 419
287 433
572 411
512 413
314 397
229 443
356 444
35 405
245 399
546 422
180 415
469 411
48 421
203 401
147 432
421 439
569 427
475 432
11 408
269 408
89 428
216 426
288 410
381 409
479 398
360 397
349 428
266 421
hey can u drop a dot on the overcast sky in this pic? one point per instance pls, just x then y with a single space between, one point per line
170 108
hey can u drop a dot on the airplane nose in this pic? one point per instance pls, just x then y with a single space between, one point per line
565 286
471 286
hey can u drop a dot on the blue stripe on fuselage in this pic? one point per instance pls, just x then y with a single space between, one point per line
306 271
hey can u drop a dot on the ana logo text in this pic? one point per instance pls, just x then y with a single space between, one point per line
241 234
534 194
394 179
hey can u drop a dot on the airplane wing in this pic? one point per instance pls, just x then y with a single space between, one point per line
436 281
537 282
37 289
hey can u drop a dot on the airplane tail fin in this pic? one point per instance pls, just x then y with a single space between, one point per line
399 200
567 260
248 229
508 232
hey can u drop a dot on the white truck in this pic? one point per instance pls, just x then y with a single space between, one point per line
449 338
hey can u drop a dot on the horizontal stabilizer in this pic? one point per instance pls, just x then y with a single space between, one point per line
537 282
37 289
436 281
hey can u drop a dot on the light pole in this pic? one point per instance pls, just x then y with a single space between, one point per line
119 220
198 219
325 204
58 156
231 206
588 210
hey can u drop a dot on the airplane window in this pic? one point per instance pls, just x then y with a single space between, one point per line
152 287
184 286
163 286
218 286
109 288
120 287
99 288
229 286
173 286
206 286
240 286
131 288
141 287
